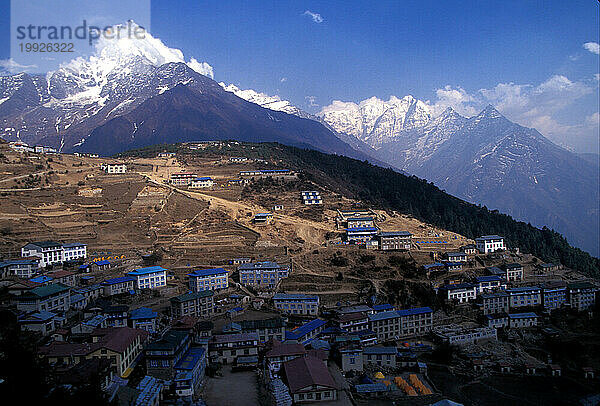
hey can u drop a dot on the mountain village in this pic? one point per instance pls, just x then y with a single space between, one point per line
202 275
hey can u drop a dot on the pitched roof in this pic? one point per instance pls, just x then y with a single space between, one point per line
304 329
119 338
305 372
170 340
60 274
286 349
45 291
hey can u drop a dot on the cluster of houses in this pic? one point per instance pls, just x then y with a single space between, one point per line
87 328
360 228
506 306
191 180
279 174
20 146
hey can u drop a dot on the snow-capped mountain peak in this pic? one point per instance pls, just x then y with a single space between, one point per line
376 121
121 73
264 100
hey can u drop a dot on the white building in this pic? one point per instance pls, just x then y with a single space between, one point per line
208 279
74 250
297 303
50 252
182 178
151 277
114 167
311 197
462 292
42 149
490 243
463 334
22 268
202 182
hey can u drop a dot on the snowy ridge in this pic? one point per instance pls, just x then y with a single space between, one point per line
376 121
266 101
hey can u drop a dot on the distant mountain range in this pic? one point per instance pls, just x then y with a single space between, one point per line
136 93
485 159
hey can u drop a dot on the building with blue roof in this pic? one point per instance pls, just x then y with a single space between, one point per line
208 279
150 390
151 277
306 332
495 302
394 240
144 318
266 274
489 283
117 286
435 267
296 303
453 266
525 296
382 307
43 322
522 320
360 234
380 356
395 324
42 280
189 372
490 243
78 301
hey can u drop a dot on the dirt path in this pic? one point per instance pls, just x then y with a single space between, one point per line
238 211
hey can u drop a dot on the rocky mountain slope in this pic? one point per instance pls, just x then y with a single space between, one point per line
136 92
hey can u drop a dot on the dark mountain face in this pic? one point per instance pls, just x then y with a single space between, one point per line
140 104
489 160
207 112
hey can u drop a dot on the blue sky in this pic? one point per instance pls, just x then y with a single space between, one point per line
525 57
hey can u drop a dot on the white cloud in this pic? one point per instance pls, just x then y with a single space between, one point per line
457 98
593 120
597 76
282 80
316 17
10 66
202 68
593 47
